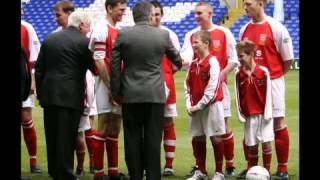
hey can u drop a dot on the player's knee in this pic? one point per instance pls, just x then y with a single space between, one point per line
26 119
216 139
200 138
279 123
266 146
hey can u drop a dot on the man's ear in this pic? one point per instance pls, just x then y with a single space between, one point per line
109 8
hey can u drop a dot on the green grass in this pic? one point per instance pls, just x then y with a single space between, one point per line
184 158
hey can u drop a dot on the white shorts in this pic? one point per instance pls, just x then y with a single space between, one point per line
226 100
28 102
209 122
93 108
258 130
278 97
102 99
91 95
84 123
170 110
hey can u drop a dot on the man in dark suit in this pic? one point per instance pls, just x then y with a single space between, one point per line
60 79
140 87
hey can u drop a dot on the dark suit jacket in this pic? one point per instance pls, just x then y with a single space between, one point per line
25 76
141 48
61 67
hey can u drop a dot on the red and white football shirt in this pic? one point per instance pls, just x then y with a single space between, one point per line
273 43
102 40
253 93
167 68
30 41
202 85
223 46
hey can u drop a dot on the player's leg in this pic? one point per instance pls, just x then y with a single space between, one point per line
218 149
251 130
169 137
196 166
169 144
280 127
84 125
89 142
89 134
199 142
216 129
228 139
200 153
29 133
266 154
112 131
103 108
282 147
99 141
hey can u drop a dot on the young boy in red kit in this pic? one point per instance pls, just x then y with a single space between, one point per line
203 93
254 104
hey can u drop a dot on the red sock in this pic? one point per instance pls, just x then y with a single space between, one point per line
282 148
200 153
228 142
253 157
90 145
80 152
267 154
98 141
112 154
30 138
169 143
245 150
218 149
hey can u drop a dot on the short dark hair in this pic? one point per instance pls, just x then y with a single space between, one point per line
264 1
65 5
141 11
205 36
157 4
246 46
114 3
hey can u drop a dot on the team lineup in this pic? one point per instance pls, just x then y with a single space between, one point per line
126 77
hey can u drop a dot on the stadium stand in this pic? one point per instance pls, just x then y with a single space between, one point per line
179 16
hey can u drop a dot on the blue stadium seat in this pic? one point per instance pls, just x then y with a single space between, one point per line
39 13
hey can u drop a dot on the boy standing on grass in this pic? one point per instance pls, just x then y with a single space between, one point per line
203 94
254 104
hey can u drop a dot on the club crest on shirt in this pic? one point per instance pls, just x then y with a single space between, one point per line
262 39
204 76
260 82
216 44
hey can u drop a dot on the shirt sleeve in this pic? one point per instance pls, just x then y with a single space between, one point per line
186 50
187 95
175 40
97 43
34 43
212 86
283 42
231 48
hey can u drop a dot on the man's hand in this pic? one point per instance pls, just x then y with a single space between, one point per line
114 101
192 110
223 76
33 85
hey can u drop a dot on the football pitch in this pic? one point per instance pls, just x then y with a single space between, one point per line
184 159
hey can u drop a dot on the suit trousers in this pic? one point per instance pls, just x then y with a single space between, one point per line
61 130
143 126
